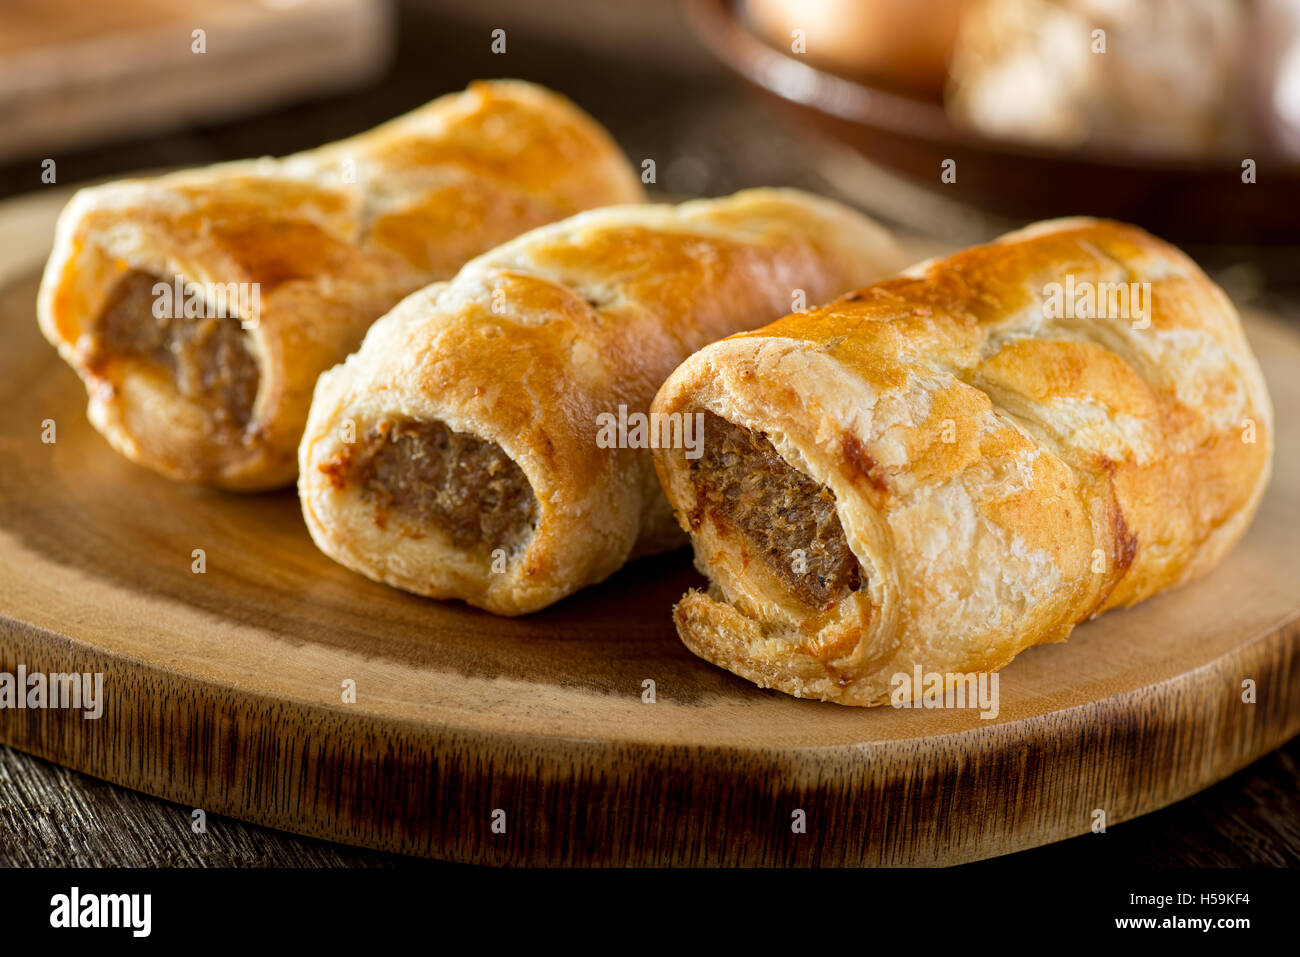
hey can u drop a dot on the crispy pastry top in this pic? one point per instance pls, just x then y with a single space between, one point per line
332 237
532 343
1001 472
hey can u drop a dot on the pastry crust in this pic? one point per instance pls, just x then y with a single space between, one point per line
1001 472
319 244
525 351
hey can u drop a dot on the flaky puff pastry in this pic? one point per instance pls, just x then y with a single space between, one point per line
952 465
313 248
459 452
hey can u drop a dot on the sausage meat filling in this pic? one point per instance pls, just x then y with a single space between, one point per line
464 487
742 483
209 360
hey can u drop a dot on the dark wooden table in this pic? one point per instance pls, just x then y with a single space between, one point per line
637 68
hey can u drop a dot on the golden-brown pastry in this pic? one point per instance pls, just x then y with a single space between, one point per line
472 447
200 307
947 467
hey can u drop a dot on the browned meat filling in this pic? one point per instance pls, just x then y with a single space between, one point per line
742 482
466 488
209 360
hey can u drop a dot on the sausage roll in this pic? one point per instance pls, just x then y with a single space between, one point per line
952 465
488 442
200 307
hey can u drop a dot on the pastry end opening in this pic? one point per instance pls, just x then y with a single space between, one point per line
208 360
744 486
457 484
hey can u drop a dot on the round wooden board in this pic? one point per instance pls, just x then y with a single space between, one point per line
223 690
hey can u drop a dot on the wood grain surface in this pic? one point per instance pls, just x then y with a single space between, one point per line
74 72
223 689
51 816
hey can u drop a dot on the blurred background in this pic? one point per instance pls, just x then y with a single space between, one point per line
1154 111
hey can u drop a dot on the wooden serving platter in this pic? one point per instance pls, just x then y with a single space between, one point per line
223 690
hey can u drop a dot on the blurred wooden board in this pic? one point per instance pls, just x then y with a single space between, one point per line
223 689
74 72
